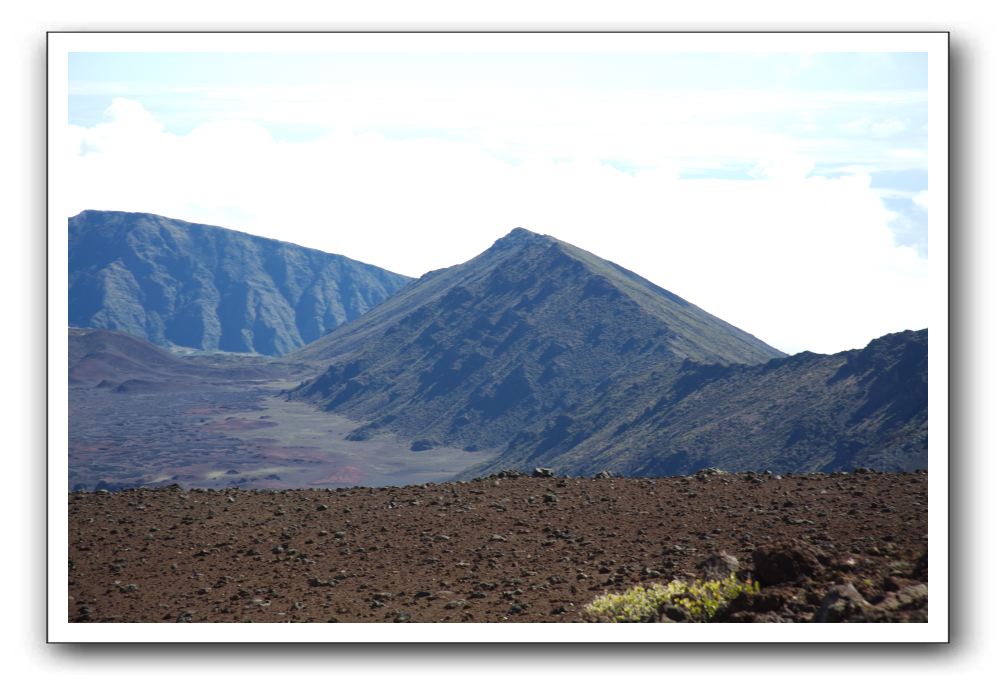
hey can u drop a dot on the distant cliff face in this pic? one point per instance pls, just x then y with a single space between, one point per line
181 284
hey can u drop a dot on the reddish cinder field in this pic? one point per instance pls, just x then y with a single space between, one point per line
497 549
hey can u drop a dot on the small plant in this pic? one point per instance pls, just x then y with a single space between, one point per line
700 600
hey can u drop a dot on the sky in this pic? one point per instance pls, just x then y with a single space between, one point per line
785 193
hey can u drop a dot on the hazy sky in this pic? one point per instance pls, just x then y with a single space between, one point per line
785 193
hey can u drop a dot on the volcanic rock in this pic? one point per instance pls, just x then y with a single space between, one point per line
785 563
602 537
719 566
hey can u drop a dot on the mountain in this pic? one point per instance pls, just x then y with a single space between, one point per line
97 356
176 283
523 336
808 412
126 363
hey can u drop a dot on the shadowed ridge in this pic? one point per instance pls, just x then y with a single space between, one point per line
806 412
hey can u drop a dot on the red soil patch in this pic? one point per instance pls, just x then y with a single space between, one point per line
344 475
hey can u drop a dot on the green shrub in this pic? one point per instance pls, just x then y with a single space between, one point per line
700 600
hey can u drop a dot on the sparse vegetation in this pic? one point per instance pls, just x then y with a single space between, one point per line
698 600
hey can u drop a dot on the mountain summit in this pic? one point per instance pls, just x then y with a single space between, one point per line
522 335
176 283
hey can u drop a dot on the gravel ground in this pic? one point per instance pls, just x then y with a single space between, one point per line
837 547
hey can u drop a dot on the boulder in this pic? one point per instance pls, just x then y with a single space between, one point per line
785 563
668 613
844 603
719 566
908 598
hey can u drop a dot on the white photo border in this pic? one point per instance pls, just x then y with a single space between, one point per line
934 44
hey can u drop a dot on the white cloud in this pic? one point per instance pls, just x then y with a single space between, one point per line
803 262
888 128
875 128
908 153
921 200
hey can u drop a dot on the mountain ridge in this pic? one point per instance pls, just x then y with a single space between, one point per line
638 286
205 287
806 412
471 354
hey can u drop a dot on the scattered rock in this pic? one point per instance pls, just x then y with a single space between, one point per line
844 603
764 602
784 563
907 598
507 473
542 472
719 566
672 613
603 537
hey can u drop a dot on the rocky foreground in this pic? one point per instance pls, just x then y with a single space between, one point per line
823 547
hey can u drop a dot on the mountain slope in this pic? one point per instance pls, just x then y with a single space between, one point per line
176 283
525 332
108 358
807 412
100 355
